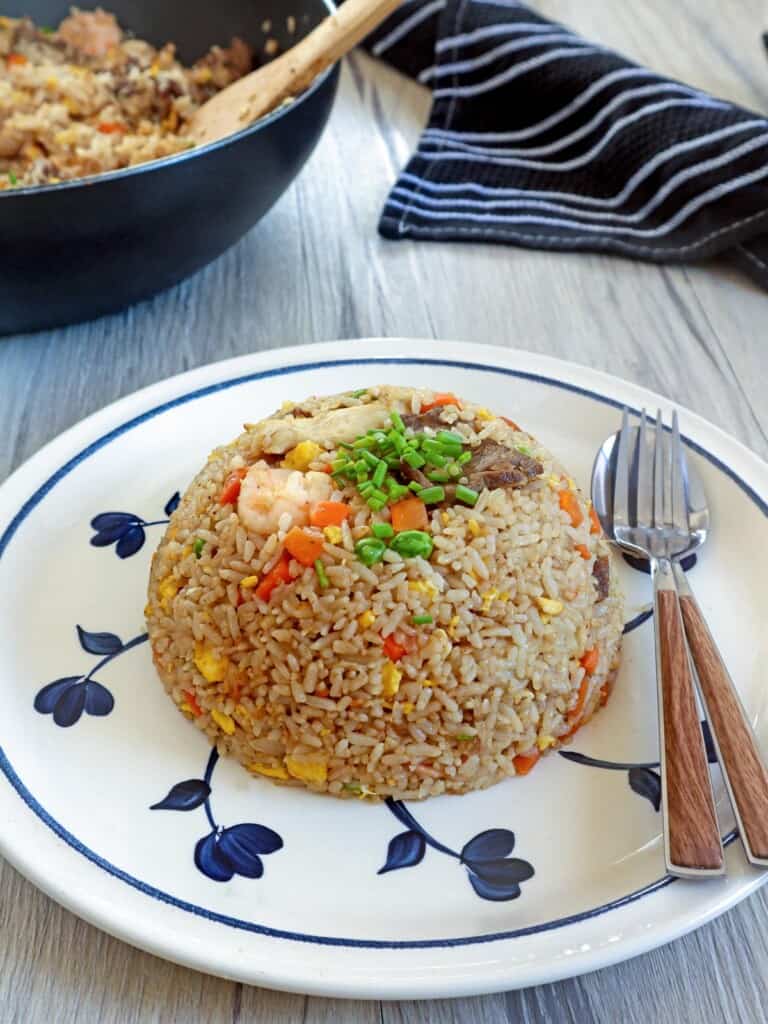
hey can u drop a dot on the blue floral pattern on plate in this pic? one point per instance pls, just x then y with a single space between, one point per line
223 852
126 530
67 698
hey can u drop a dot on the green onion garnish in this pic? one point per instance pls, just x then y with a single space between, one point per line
352 787
523 449
397 420
370 550
364 442
467 495
432 495
414 460
322 575
464 458
369 458
383 531
465 736
448 437
439 476
380 473
414 485
198 546
360 393
12 178
422 620
412 544
454 471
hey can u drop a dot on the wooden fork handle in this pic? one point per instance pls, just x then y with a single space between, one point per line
692 843
743 767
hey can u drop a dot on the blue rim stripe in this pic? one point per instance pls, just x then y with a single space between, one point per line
249 926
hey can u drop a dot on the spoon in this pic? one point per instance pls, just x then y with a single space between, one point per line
288 75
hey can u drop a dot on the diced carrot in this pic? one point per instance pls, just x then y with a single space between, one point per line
605 694
441 398
304 546
328 468
510 423
409 514
111 127
192 701
596 527
16 60
280 573
329 513
322 691
394 650
575 713
583 551
231 490
590 659
569 503
524 762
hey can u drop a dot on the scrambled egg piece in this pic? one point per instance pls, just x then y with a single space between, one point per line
224 722
333 534
212 669
168 588
549 606
302 455
272 771
307 771
390 677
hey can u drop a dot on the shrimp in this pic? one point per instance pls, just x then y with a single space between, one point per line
268 495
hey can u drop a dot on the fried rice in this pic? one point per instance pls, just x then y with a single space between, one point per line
433 626
85 98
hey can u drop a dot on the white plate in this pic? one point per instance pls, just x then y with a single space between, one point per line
75 804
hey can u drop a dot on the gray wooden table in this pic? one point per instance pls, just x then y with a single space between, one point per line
315 270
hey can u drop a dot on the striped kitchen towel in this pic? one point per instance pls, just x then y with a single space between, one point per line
540 138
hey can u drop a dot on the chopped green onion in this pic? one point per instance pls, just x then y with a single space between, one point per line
431 495
347 445
453 451
47 30
12 178
454 471
523 449
448 437
439 476
412 544
377 494
465 736
198 546
369 458
467 495
360 393
380 473
383 531
397 491
366 487
414 485
397 420
422 620
322 575
398 441
370 550
433 454
352 787
414 460
464 458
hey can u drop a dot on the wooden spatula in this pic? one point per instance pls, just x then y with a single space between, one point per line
290 74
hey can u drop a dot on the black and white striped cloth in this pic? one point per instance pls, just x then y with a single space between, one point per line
539 138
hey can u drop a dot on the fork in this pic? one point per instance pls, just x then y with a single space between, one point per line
650 520
744 770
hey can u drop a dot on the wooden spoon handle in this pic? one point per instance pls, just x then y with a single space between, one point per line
288 75
692 843
740 759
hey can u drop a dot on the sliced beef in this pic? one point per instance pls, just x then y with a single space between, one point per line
409 474
602 574
494 465
431 419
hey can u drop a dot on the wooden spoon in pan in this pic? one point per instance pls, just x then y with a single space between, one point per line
255 95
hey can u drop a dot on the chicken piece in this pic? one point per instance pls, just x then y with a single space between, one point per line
277 436
93 33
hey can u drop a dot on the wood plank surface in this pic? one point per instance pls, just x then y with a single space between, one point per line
314 270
